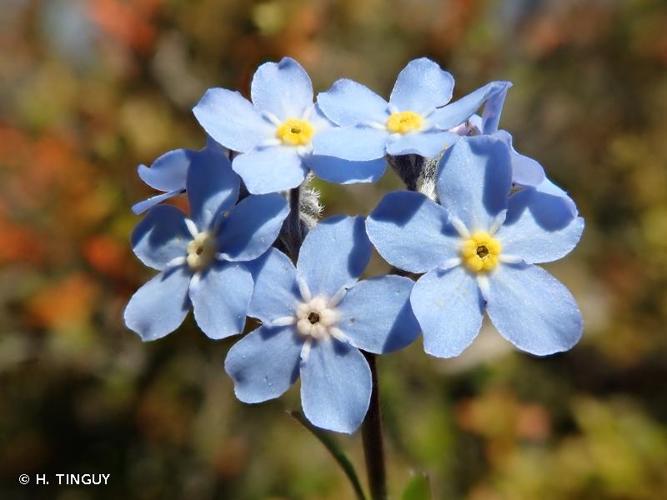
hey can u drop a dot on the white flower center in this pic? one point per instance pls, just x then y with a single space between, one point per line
316 318
201 251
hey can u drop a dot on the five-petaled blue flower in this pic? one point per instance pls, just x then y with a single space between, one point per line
315 318
274 132
478 248
416 120
202 258
170 171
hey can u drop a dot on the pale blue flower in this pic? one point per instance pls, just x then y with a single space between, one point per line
478 248
527 173
170 171
202 259
416 120
274 132
315 318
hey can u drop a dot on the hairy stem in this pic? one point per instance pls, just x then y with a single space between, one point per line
371 432
408 168
293 228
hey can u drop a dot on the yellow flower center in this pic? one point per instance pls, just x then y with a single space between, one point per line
480 252
201 251
403 122
295 132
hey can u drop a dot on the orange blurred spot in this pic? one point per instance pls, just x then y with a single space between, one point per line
64 304
13 147
19 244
129 23
544 36
180 202
106 255
451 21
49 181
231 459
533 422
503 420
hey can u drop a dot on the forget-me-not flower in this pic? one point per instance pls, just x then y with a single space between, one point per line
201 258
168 173
478 248
315 318
416 120
527 173
274 132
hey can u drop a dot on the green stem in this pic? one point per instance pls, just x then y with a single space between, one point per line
371 432
335 451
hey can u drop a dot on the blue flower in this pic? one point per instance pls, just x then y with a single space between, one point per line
201 258
315 318
416 120
274 132
478 248
527 173
169 172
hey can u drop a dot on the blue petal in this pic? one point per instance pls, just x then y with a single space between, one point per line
335 386
533 310
168 172
525 170
421 87
552 208
534 232
160 306
283 89
493 108
142 206
475 121
264 363
449 308
161 236
276 291
220 299
348 103
459 111
427 144
474 180
334 254
213 145
232 120
252 226
213 187
346 172
271 169
318 119
351 143
567 207
411 232
376 315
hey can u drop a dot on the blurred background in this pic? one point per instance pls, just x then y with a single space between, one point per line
91 88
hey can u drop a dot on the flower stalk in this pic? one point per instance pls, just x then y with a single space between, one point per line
336 452
293 230
371 432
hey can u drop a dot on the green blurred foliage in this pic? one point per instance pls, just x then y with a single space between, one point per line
91 88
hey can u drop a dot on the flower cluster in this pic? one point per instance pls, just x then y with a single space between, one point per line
476 219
